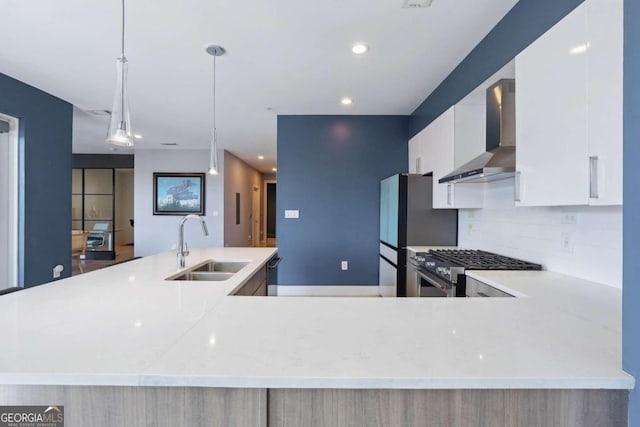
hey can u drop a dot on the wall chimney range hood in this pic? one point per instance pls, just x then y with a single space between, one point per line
499 161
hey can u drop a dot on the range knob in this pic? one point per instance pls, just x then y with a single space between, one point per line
443 271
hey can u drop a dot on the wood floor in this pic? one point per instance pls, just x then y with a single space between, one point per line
123 253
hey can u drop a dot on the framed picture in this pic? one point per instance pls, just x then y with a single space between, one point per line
178 193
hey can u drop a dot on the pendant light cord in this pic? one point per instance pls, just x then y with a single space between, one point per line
122 50
214 96
123 61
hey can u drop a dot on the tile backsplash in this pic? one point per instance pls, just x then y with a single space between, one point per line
582 241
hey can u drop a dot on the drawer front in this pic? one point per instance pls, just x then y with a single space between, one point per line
389 253
253 284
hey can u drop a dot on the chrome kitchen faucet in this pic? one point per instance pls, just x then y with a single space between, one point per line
183 249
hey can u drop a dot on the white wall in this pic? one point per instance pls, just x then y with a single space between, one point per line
536 234
159 233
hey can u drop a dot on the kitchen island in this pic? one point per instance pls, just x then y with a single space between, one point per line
124 346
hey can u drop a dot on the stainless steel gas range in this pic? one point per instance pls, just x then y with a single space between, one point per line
441 273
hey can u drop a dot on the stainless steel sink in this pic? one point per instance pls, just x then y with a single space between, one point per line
204 276
221 266
212 270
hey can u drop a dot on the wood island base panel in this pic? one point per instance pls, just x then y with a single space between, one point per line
100 406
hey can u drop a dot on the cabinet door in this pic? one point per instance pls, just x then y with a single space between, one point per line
441 145
426 151
469 142
604 79
551 115
414 155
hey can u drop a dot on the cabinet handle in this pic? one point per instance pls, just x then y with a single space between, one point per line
449 195
517 195
593 177
418 165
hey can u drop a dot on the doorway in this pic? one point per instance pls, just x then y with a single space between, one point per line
9 213
102 217
255 216
270 213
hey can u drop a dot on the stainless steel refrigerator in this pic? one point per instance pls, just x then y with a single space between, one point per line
407 218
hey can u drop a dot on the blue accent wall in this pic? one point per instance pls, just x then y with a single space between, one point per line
330 168
45 128
631 208
524 23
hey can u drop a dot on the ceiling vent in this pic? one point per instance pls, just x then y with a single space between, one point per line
416 4
169 144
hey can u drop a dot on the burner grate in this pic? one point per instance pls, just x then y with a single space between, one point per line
482 260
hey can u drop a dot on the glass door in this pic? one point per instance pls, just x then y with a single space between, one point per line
92 206
9 168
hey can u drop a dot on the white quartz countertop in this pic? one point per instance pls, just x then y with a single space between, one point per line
126 325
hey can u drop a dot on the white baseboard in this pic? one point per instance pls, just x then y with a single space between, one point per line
328 291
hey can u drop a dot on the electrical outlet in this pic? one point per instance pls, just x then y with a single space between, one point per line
566 242
344 265
569 218
57 270
292 214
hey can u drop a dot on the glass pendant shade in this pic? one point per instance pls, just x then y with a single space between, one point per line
213 157
215 51
120 124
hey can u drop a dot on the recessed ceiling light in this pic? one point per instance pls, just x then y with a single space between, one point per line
137 136
581 48
360 48
410 4
346 101
261 157
275 169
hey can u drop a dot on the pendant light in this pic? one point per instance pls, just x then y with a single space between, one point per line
214 51
120 124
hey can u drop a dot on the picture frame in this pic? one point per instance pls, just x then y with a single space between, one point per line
178 193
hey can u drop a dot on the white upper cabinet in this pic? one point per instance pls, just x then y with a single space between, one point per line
569 111
552 166
414 155
420 160
453 139
604 98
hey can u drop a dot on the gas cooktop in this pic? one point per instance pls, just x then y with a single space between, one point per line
481 260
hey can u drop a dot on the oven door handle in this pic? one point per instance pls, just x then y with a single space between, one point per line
437 282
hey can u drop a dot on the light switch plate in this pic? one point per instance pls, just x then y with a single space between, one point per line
566 242
292 213
344 265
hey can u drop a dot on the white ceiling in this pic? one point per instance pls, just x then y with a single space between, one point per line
292 56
